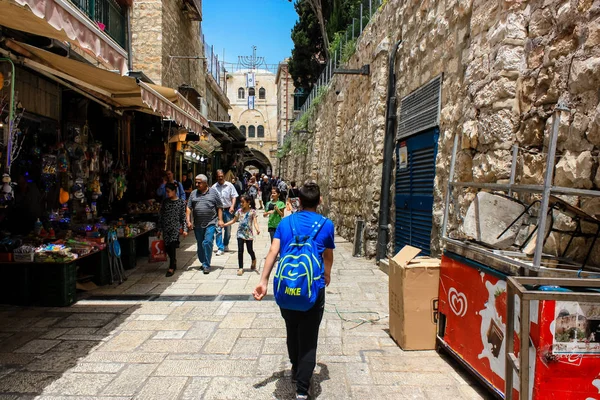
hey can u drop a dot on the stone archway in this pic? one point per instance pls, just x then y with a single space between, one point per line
253 157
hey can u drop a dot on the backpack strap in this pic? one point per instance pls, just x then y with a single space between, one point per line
292 223
319 227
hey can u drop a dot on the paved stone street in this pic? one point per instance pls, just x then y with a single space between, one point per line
196 336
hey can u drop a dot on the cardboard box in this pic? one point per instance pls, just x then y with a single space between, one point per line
414 284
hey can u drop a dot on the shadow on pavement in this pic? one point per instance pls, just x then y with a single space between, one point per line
286 390
50 351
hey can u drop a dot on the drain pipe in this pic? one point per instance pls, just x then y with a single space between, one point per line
388 158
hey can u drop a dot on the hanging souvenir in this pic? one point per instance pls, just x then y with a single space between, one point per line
107 162
36 150
94 187
85 137
78 190
63 196
7 190
112 181
121 186
63 160
49 168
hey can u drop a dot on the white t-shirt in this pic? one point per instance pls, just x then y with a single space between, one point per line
227 192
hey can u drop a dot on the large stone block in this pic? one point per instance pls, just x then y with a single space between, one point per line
541 22
575 170
488 216
497 129
585 74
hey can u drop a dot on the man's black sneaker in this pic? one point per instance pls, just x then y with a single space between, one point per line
301 397
206 270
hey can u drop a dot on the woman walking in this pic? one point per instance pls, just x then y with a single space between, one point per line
253 190
246 216
275 210
171 222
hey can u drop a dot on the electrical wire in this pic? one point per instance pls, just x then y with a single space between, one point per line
359 321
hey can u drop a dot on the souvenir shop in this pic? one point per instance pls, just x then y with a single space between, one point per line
78 198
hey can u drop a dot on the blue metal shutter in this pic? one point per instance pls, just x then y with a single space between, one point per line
414 191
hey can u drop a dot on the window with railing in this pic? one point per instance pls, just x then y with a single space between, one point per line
109 15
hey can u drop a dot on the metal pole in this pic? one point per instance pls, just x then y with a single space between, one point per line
335 58
513 167
370 9
353 19
361 15
449 188
543 214
11 113
510 343
524 351
330 69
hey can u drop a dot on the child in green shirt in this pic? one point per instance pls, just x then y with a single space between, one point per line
274 210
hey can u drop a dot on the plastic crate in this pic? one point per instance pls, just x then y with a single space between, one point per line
23 257
97 265
54 284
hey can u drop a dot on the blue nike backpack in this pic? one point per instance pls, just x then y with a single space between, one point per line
295 284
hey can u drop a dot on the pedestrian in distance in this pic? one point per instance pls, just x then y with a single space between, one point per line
170 178
274 209
187 183
265 191
171 223
283 188
301 300
206 208
228 195
246 216
253 190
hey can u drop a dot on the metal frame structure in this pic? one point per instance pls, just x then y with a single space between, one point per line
516 286
546 189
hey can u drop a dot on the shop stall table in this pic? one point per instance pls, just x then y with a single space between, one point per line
50 284
133 247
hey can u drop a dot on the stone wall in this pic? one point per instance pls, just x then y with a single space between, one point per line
216 100
181 37
146 38
161 29
505 65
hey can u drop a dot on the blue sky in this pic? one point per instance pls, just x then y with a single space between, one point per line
236 25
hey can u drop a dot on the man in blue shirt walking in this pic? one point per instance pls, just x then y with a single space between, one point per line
170 178
302 326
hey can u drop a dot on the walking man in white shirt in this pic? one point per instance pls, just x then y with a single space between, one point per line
228 197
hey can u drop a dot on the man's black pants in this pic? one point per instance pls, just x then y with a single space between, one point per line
302 337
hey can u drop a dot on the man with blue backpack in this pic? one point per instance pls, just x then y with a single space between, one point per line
306 241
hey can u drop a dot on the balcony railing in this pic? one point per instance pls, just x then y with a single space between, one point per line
109 16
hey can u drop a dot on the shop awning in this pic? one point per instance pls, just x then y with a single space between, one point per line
157 98
61 20
230 129
122 92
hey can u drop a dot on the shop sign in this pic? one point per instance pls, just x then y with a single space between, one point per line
403 156
576 328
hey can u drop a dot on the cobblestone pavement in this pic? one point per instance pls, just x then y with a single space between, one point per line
195 336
